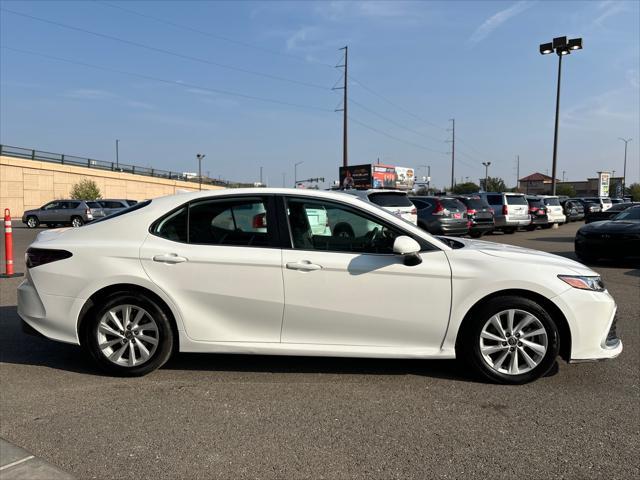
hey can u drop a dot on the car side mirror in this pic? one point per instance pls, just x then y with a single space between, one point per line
409 249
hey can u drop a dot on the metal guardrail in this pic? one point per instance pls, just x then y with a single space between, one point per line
62 159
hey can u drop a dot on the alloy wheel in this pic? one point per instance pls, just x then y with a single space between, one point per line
127 335
76 222
513 342
32 222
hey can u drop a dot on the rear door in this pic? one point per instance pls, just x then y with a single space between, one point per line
220 260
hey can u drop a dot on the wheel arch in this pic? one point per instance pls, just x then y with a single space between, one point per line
129 288
553 310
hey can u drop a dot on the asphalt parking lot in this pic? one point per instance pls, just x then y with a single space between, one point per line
236 416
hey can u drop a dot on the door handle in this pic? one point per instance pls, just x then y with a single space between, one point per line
304 265
169 258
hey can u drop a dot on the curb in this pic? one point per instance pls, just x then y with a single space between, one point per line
17 463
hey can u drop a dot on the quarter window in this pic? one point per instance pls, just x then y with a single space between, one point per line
317 225
173 226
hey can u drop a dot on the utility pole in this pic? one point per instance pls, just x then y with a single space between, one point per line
117 155
345 155
200 156
624 169
453 152
517 171
260 176
563 172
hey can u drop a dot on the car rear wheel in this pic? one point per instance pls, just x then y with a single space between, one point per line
475 234
77 222
509 340
128 335
32 221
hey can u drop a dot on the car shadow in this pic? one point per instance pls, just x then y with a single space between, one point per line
17 347
553 239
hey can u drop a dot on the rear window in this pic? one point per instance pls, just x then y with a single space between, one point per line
553 202
494 199
392 199
516 200
112 204
420 204
475 203
535 202
119 213
453 204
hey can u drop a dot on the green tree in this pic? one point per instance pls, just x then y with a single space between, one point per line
85 190
565 189
467 187
495 184
634 191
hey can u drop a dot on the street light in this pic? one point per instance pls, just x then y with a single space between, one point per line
486 174
624 169
428 169
295 173
562 47
200 156
117 156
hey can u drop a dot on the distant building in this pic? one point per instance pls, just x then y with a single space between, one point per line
540 184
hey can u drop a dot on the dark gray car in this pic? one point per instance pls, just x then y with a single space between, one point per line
59 212
441 215
113 205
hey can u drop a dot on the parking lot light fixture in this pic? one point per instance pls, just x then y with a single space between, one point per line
562 47
486 174
200 156
295 173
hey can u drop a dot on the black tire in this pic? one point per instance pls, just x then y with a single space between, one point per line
531 228
32 221
343 230
547 225
510 230
165 335
475 234
468 344
77 221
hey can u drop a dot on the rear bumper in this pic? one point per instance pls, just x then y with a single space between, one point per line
508 221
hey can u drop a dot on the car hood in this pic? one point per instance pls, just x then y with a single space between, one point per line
520 256
612 226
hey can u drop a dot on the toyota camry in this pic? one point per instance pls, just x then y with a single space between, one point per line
270 271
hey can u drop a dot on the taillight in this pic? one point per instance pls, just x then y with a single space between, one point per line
471 211
40 256
505 209
87 211
439 208
414 211
259 221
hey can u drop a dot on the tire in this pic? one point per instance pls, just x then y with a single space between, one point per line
547 225
531 228
32 221
77 222
120 343
510 230
343 230
491 359
475 234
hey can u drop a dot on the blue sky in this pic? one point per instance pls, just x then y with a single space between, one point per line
426 62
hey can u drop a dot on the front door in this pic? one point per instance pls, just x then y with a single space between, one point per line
344 286
218 261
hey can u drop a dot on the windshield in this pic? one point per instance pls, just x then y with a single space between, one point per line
630 214
516 200
390 199
124 211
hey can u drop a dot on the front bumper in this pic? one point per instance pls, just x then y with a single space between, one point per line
591 317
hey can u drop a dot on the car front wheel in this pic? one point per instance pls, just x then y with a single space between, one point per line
128 335
509 340
32 222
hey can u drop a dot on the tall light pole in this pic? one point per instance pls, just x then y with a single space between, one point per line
486 174
562 47
200 156
624 168
295 173
428 169
117 155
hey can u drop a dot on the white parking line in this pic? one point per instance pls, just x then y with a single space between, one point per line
17 462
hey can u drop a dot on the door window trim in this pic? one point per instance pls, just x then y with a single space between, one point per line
286 233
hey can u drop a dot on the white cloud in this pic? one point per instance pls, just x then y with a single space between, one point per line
598 110
498 19
609 8
89 94
349 10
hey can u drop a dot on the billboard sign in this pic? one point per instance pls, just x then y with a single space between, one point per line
363 177
603 184
405 178
356 176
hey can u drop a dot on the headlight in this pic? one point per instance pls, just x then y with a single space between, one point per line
595 284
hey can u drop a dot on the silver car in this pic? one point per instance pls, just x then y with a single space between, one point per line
510 210
111 206
59 212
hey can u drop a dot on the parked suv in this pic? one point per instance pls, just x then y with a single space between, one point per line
510 210
111 206
59 212
588 205
604 202
441 215
393 201
573 210
479 214
538 212
555 212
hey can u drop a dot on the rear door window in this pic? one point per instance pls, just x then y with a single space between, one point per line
390 199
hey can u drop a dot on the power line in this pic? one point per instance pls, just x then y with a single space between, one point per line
216 36
171 82
167 52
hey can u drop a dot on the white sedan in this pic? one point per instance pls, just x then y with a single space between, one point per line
244 271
